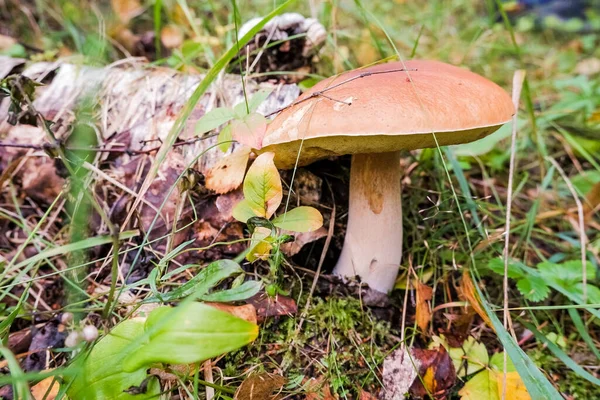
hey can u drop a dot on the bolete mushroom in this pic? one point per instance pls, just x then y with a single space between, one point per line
373 114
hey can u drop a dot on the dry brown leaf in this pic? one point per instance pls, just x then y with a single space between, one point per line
468 292
423 309
363 395
171 36
317 389
228 173
436 371
126 10
267 306
301 239
46 389
246 312
263 386
592 200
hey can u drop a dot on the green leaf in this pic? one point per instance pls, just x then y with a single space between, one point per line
250 130
213 119
566 274
200 284
238 293
189 333
300 219
258 98
471 357
497 265
100 374
533 288
497 363
262 186
242 211
482 386
225 139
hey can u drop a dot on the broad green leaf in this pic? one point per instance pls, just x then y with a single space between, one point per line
533 288
585 182
300 219
566 274
258 98
497 265
471 357
242 211
200 284
213 119
482 386
225 139
250 130
260 247
242 292
189 333
262 186
100 374
497 363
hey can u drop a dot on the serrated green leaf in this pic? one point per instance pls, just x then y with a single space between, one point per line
189 333
213 119
567 274
100 375
200 284
300 219
497 265
238 293
533 288
262 186
225 139
242 211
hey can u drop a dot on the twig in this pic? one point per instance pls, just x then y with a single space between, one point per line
518 79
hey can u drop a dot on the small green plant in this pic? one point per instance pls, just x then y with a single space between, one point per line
566 277
116 367
262 197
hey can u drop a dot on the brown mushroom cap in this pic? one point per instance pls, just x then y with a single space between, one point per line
387 111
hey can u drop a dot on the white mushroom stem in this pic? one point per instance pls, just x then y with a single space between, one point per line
373 243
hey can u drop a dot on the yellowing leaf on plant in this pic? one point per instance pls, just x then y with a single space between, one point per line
259 248
126 10
482 386
469 358
242 211
250 130
262 186
300 219
225 139
228 173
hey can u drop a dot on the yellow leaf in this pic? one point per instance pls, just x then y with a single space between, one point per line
262 186
260 248
515 388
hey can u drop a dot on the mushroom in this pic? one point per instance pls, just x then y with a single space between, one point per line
374 114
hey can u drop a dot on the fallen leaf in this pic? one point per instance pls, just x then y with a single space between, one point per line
228 173
246 312
469 358
515 388
468 292
300 239
46 389
592 200
126 10
480 387
171 36
226 202
317 389
423 308
399 372
436 372
262 386
267 306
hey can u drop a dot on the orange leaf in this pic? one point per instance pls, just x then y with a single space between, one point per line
423 311
126 10
470 294
228 173
250 130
